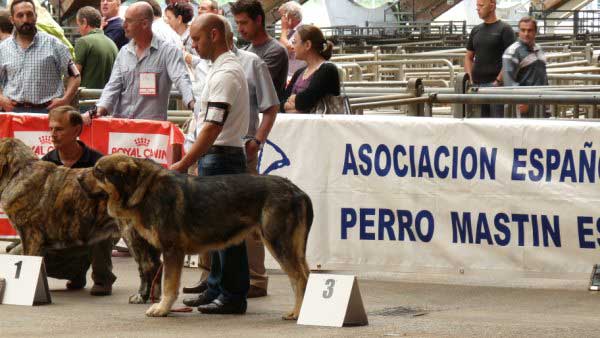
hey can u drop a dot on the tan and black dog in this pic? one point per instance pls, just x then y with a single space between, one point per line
181 214
49 209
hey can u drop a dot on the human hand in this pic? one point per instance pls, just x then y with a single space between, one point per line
87 118
252 149
179 166
57 102
101 111
285 22
7 104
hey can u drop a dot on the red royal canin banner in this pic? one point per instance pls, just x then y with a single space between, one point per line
137 138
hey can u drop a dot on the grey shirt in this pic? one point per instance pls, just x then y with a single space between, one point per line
121 95
260 86
276 58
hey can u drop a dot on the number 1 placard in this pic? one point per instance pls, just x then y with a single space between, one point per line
332 300
26 281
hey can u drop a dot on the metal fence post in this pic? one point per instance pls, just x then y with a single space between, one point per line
460 87
415 87
589 53
575 23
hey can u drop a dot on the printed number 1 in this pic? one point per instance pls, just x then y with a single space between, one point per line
329 292
18 273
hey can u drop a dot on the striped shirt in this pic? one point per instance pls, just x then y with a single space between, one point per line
33 74
523 65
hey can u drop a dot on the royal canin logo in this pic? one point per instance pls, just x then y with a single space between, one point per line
45 139
141 142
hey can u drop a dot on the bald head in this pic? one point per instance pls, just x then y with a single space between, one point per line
141 10
208 6
210 22
208 35
138 22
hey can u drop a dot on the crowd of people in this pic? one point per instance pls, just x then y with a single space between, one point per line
137 59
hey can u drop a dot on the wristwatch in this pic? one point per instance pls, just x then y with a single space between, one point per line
255 140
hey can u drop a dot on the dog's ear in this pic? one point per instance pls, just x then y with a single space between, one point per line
147 173
89 184
14 155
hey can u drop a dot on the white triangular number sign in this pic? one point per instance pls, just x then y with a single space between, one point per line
332 300
26 280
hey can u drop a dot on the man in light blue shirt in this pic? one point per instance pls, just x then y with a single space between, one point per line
144 71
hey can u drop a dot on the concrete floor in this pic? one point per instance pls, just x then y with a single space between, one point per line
394 309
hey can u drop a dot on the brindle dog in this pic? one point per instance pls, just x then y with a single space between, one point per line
49 209
180 214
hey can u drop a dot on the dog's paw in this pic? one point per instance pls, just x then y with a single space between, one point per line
289 316
157 311
137 299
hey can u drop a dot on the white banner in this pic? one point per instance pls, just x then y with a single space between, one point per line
400 194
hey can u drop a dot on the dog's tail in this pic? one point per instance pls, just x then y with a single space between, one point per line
308 216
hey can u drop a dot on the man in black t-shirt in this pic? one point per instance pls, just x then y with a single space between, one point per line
72 263
487 42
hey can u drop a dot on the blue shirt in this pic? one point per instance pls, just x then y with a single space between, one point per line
121 95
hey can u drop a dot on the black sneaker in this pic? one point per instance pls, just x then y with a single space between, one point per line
201 299
229 308
76 284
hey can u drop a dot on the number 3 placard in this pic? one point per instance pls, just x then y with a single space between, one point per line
332 300
26 281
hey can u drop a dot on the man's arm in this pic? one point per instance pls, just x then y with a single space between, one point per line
6 103
72 86
81 52
285 29
112 90
276 60
262 133
510 67
208 135
66 67
178 73
469 56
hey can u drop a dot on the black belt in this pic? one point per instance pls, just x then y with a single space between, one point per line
30 105
225 150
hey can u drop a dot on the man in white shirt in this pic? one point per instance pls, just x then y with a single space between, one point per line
222 124
263 99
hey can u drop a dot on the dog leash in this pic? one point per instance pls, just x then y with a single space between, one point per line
153 299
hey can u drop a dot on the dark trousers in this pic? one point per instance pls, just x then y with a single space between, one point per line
73 263
229 278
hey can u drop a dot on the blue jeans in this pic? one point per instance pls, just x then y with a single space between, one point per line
229 277
490 110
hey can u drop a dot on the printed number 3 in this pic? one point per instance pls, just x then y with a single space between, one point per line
18 273
329 292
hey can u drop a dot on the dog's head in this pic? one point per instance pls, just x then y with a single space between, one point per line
125 179
90 185
14 155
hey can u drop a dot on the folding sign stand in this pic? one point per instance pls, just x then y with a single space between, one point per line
26 280
332 300
191 261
